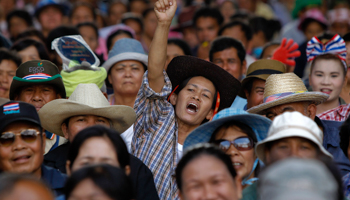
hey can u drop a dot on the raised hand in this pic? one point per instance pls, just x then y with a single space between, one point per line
165 10
286 52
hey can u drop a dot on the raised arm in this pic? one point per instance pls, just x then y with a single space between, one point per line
165 11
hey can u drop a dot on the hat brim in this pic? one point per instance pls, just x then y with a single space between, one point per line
247 79
316 97
184 67
203 133
17 84
122 117
125 56
27 119
290 132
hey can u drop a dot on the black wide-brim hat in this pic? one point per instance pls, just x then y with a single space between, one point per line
184 67
37 72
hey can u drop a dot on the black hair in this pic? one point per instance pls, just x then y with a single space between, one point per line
222 43
249 84
116 33
25 43
208 12
268 27
8 182
182 44
24 15
89 24
146 12
244 28
135 18
193 2
59 32
79 4
6 54
346 37
111 180
308 21
203 150
267 46
99 131
344 135
31 32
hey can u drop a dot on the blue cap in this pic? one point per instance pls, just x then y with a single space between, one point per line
13 111
201 134
126 49
45 3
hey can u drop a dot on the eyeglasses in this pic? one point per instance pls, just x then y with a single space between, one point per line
241 144
8 138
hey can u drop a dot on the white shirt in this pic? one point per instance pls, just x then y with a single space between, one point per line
127 137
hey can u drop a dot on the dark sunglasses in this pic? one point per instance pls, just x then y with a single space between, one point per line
8 138
241 144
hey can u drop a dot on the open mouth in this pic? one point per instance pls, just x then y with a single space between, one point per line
192 107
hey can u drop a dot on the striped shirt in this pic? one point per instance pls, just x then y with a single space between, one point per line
155 136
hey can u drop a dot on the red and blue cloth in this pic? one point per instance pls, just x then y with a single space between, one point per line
280 95
37 76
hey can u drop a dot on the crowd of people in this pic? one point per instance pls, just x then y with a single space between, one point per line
174 99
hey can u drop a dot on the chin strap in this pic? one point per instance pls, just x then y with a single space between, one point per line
247 181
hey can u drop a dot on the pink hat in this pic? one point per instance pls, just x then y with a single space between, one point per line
339 15
314 14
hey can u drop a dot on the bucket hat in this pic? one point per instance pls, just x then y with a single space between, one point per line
296 178
261 69
126 49
87 99
286 88
203 133
292 124
37 72
183 67
13 111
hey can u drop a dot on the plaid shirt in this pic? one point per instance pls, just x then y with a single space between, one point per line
339 113
155 136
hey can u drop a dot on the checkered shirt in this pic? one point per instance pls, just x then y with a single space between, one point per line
155 136
339 113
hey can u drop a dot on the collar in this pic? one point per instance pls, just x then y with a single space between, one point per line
49 135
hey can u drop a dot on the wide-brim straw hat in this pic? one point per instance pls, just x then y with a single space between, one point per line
261 69
126 49
184 67
286 88
292 124
259 124
87 99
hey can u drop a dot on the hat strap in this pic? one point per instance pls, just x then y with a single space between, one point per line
172 92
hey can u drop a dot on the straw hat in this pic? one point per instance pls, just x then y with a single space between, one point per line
286 88
292 124
87 99
203 133
261 69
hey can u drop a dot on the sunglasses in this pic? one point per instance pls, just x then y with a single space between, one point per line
28 136
241 144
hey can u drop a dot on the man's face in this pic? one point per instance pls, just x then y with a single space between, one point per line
7 72
80 122
207 29
126 77
38 95
228 60
194 102
291 147
236 33
256 95
82 14
50 18
21 156
308 111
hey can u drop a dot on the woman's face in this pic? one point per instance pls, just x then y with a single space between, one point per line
207 177
172 51
96 150
87 189
242 161
29 53
327 76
